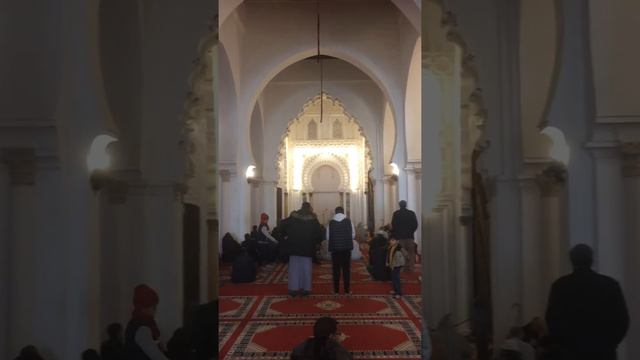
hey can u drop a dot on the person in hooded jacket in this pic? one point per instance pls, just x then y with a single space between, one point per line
303 233
340 235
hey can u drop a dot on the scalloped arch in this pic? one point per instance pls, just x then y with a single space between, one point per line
316 161
280 171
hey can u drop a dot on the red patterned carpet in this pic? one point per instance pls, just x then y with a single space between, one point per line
259 321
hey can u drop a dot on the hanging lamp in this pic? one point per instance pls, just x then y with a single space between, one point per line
319 59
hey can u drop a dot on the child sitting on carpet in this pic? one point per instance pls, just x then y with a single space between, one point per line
395 262
325 343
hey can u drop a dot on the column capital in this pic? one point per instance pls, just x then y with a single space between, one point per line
552 179
21 163
630 159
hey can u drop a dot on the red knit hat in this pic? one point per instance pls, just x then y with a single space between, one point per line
264 218
144 297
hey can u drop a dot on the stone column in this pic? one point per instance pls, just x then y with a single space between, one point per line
414 198
227 212
533 259
506 256
116 218
391 195
631 173
5 279
418 208
255 204
161 261
464 283
553 237
268 191
22 232
380 204
435 276
609 210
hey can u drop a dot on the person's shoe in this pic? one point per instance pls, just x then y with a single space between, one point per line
348 293
335 293
392 292
304 293
396 296
293 293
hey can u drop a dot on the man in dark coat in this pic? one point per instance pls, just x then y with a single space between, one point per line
586 314
403 224
303 233
340 235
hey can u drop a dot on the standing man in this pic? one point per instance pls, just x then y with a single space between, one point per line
303 233
586 314
340 234
403 224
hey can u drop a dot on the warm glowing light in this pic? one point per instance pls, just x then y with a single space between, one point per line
560 151
99 158
251 171
394 169
351 153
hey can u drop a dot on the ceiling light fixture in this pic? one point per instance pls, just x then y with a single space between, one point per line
320 61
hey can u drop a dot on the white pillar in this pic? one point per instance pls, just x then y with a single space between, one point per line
435 276
414 199
554 239
506 256
609 207
268 192
162 255
418 208
22 298
464 283
227 210
4 263
379 200
449 258
631 173
533 258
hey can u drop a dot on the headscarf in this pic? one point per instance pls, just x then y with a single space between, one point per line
264 218
145 297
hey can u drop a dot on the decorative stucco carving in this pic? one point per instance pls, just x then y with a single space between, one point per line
311 106
314 162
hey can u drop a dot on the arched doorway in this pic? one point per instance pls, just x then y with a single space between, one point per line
325 162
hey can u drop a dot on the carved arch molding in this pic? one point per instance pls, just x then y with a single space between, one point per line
314 162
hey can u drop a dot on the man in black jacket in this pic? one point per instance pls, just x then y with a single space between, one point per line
403 224
586 314
303 233
340 234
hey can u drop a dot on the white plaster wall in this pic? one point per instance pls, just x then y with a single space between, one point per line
5 275
167 25
538 46
31 61
379 59
388 138
615 58
413 104
432 116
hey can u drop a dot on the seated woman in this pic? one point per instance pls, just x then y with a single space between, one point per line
230 248
378 256
325 343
